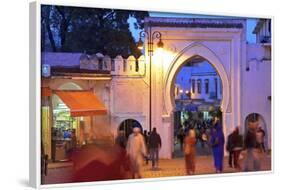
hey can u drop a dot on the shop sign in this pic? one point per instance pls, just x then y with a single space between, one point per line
46 70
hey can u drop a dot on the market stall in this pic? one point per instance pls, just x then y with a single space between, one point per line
69 109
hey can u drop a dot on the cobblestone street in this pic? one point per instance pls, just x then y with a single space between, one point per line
204 165
61 173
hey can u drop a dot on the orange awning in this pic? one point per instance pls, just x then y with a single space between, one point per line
46 91
82 103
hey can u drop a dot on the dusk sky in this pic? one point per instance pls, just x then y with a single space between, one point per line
251 22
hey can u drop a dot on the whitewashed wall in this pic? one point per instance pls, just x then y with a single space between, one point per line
256 87
224 48
126 94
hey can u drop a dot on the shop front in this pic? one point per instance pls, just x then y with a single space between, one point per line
64 118
64 135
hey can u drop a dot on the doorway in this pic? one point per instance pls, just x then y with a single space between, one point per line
128 125
197 97
260 124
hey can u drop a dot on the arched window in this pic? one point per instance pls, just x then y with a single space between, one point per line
269 26
193 86
206 86
199 86
216 88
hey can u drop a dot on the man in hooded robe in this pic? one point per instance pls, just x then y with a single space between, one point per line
136 150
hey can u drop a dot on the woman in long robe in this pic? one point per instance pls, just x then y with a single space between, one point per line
217 142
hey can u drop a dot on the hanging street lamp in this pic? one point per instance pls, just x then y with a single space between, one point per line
150 37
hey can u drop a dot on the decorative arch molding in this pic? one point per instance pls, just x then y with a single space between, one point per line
129 118
194 49
265 126
261 116
81 85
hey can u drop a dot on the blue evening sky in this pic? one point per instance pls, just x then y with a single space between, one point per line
251 22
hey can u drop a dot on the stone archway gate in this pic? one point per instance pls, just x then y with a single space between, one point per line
220 41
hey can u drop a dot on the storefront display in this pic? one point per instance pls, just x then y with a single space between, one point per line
63 133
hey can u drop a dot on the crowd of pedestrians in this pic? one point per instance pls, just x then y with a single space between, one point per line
209 134
133 151
144 147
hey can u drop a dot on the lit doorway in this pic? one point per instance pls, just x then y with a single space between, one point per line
198 96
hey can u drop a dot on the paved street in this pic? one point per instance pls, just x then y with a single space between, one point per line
61 173
204 165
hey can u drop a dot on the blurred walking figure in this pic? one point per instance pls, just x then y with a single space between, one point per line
136 150
238 147
181 137
217 143
203 137
121 139
260 139
229 148
146 136
189 152
252 161
154 146
98 163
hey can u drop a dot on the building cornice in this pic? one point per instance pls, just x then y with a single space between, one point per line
194 22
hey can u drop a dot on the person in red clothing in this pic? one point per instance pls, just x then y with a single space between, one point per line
98 163
189 152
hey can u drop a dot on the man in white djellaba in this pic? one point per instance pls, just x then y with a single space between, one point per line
136 150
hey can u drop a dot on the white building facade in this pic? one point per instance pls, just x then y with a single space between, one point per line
245 77
199 81
223 43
